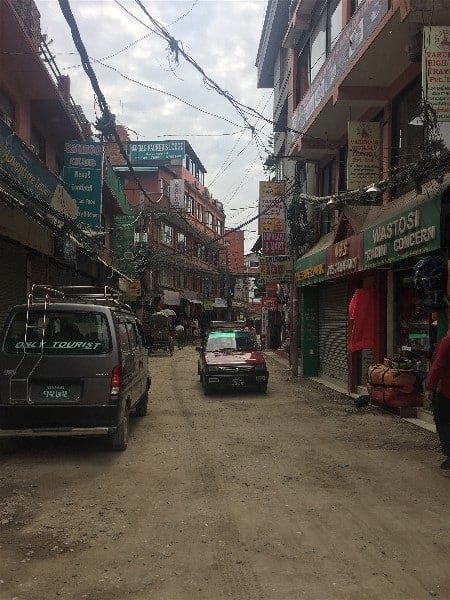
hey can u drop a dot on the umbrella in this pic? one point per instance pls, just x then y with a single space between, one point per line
169 312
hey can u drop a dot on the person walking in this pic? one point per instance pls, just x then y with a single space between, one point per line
179 334
437 390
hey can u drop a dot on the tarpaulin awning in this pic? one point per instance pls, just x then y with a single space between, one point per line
171 297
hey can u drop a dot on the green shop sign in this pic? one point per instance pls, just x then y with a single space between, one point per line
143 151
415 231
83 179
311 269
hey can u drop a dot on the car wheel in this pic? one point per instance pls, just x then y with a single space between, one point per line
141 408
205 386
119 439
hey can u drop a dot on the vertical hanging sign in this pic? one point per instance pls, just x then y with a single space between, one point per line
436 69
271 206
177 193
83 179
364 153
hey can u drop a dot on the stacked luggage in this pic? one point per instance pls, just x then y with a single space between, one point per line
389 385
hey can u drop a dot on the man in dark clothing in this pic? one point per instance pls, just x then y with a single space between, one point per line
437 387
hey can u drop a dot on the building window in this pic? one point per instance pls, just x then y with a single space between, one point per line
188 203
166 234
334 22
181 243
318 46
407 126
164 188
209 220
356 4
200 213
7 113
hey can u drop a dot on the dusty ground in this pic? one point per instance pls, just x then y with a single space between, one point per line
292 495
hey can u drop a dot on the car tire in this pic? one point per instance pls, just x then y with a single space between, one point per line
205 386
141 408
119 439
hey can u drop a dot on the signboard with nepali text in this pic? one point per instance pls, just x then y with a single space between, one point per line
83 179
364 153
177 193
436 69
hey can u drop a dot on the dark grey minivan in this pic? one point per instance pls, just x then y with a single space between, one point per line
72 362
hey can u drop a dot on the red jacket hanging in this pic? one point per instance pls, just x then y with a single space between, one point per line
361 314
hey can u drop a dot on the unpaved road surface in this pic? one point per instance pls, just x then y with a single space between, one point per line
286 496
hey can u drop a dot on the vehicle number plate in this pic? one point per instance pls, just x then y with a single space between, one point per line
237 381
55 392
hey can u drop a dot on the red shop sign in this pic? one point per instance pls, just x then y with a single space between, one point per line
274 243
345 257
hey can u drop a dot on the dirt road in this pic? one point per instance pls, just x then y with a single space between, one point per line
288 496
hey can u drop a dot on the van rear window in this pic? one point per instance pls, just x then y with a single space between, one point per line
62 332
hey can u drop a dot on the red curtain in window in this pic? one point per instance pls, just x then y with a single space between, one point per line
361 314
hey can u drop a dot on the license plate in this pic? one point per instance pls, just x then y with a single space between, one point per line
237 381
55 392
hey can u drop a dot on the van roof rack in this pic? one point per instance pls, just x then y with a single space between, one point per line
93 294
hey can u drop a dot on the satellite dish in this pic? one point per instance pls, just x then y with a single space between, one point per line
128 255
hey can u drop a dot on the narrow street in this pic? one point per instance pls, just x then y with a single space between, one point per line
290 495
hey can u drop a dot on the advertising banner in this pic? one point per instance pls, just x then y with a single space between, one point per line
143 151
436 69
83 179
271 206
177 193
364 153
274 243
279 269
122 241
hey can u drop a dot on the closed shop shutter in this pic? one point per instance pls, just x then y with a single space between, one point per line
333 330
13 269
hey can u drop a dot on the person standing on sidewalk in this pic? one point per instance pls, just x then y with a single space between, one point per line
437 386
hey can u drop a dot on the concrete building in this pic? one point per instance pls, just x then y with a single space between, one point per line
176 223
43 240
351 110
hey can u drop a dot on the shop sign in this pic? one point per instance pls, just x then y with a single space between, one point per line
177 193
278 269
270 303
416 231
83 179
436 69
364 151
24 166
271 206
274 243
344 257
122 241
357 31
143 151
208 304
311 269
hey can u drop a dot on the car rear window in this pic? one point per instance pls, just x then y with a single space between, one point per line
65 332
230 340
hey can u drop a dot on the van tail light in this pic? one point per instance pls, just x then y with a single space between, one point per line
116 380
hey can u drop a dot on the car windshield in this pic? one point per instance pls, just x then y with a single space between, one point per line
65 332
230 340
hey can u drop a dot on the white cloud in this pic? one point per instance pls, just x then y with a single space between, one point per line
221 35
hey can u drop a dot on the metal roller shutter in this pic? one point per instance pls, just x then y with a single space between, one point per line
333 330
13 269
38 270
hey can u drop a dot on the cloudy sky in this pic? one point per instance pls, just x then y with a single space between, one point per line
132 62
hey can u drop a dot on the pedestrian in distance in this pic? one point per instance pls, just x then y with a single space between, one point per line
437 391
179 335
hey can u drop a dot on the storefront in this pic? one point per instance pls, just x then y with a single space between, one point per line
395 242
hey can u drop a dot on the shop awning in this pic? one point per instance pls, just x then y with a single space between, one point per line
171 298
311 267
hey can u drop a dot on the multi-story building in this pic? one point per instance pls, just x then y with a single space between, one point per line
178 224
42 239
351 109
